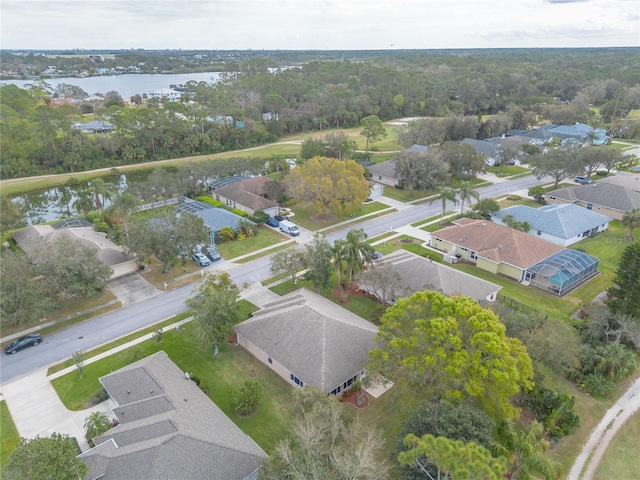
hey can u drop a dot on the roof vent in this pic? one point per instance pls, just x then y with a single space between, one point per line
499 246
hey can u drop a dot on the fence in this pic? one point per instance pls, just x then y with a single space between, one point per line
515 305
161 203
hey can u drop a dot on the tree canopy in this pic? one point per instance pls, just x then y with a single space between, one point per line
624 295
451 348
328 184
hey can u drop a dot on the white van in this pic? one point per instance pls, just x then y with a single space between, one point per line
287 227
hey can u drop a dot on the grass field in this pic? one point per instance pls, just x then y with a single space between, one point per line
508 170
8 433
621 458
303 214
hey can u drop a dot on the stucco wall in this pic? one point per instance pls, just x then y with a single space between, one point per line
264 358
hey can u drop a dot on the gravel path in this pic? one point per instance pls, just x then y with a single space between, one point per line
587 462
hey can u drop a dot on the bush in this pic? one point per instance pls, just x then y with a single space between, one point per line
246 398
210 201
555 410
240 213
598 385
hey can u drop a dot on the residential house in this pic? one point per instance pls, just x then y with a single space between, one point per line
29 239
493 247
581 132
309 340
562 224
515 254
169 94
385 173
215 219
97 126
606 198
489 150
415 274
248 195
628 180
169 429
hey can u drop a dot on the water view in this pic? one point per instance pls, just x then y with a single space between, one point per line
126 85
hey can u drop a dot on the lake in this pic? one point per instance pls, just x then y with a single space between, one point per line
126 85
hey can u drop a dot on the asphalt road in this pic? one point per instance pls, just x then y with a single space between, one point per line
105 328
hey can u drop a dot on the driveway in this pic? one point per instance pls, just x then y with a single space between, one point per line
132 288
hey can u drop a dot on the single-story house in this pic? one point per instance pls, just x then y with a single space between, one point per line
385 173
628 180
215 219
490 150
248 195
581 132
309 340
606 198
540 136
493 247
121 262
97 126
416 274
562 224
169 429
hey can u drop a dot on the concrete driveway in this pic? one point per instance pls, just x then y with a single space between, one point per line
132 288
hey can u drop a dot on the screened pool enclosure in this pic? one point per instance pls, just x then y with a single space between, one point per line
562 271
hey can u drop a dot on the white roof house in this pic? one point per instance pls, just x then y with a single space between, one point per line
168 93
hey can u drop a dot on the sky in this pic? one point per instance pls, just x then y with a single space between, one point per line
317 24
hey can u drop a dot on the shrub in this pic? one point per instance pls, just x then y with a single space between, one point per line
598 385
210 201
246 398
555 410
240 212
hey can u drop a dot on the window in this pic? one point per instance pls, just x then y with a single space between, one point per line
539 232
589 206
270 360
474 255
379 177
218 197
336 391
296 380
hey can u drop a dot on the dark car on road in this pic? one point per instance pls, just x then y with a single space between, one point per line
280 218
30 340
211 253
272 222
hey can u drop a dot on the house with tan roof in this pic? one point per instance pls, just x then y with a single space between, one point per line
416 274
493 247
249 195
168 429
515 254
309 340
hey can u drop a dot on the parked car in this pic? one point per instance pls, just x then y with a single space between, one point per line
272 222
281 218
211 253
583 180
201 259
377 255
290 228
30 340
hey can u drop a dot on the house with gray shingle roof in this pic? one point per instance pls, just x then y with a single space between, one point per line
562 224
169 429
385 173
490 150
248 195
309 340
628 180
416 274
215 219
606 198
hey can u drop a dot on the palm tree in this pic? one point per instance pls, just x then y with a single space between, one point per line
102 191
631 218
445 194
355 252
467 192
338 253
96 424
83 203
524 451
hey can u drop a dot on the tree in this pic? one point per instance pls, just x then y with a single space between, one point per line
323 445
215 308
558 164
524 451
454 459
96 424
439 347
84 201
631 218
445 194
79 357
421 170
102 191
355 252
318 262
259 217
11 214
624 295
381 280
330 185
442 419
486 207
246 397
467 192
463 160
46 458
290 261
537 193
373 130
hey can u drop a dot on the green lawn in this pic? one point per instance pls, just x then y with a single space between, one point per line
218 375
511 200
303 214
406 195
265 237
8 434
507 170
621 458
